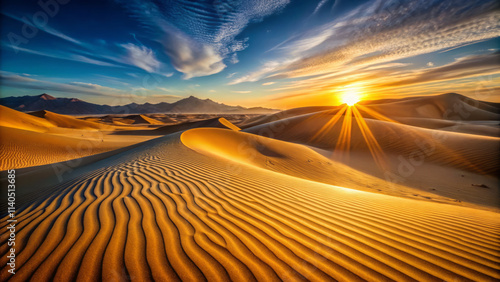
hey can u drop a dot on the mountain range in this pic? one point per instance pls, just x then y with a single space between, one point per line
74 106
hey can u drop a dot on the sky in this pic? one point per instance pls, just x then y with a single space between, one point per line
271 53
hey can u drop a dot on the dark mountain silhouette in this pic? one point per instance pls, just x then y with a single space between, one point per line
73 106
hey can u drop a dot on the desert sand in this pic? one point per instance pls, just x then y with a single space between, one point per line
284 198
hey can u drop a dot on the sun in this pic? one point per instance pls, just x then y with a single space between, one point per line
350 96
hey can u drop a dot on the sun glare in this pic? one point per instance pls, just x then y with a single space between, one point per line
350 96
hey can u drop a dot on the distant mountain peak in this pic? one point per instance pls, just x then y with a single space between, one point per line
46 96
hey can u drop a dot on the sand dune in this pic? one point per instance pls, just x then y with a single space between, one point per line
165 212
293 159
22 148
217 122
471 152
44 137
142 119
68 121
448 106
16 119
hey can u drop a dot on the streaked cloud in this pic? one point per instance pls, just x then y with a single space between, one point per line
467 66
141 57
15 80
200 37
45 28
383 31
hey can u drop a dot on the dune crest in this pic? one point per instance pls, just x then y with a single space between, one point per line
16 119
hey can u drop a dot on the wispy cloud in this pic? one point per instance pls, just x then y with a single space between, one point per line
200 37
257 75
320 5
141 57
242 91
460 68
15 80
382 31
118 96
45 28
394 80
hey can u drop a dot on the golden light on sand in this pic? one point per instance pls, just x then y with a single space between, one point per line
351 95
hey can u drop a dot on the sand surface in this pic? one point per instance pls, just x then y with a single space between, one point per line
274 202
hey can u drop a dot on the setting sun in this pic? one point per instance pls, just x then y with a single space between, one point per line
350 96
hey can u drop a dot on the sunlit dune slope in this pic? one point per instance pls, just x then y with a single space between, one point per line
169 129
466 151
68 121
165 212
285 114
486 128
22 148
16 119
291 159
142 119
448 106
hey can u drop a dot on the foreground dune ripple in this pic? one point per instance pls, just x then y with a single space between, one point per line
165 212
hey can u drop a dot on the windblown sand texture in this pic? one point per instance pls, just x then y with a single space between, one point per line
219 204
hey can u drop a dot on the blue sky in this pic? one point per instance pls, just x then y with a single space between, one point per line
280 53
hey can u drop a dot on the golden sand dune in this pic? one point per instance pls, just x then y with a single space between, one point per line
16 119
44 137
143 119
466 151
448 106
291 159
212 122
163 211
22 148
68 121
486 128
258 120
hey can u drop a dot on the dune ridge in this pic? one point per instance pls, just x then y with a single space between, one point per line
165 212
16 119
65 121
467 151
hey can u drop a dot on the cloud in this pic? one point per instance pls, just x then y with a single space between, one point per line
200 37
383 31
242 92
430 64
141 57
257 75
319 6
46 28
128 54
17 81
63 56
231 75
268 83
83 59
111 95
190 58
463 67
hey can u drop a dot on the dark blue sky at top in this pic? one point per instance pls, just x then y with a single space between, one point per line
223 49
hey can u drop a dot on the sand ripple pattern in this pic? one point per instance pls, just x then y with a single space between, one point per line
167 213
